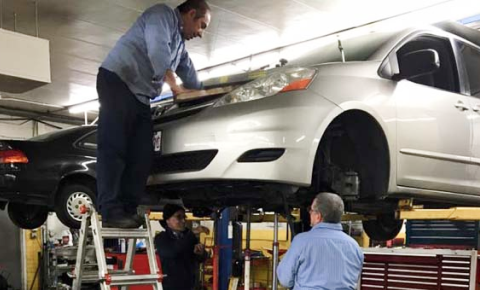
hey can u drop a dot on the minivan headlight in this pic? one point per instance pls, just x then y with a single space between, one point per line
279 82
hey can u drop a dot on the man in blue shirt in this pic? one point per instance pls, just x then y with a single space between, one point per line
132 74
324 258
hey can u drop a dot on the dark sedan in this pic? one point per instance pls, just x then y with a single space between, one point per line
51 172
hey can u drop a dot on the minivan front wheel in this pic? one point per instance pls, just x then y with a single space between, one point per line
27 216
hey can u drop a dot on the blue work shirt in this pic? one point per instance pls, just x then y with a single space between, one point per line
323 258
151 46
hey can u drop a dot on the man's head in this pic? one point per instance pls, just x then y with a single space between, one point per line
174 217
196 18
326 207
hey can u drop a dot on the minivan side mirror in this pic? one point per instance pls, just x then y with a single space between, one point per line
417 63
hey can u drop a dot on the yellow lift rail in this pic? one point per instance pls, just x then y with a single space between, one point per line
255 218
158 216
406 210
410 212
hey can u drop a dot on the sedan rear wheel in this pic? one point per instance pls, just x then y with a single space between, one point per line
69 201
27 216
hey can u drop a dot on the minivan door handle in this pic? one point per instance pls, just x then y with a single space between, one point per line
461 106
476 108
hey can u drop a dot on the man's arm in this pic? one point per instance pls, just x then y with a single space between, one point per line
198 249
170 80
200 253
288 267
159 22
186 71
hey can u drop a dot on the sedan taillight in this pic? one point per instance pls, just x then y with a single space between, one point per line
12 156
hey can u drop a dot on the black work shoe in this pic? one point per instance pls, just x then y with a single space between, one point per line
139 219
125 222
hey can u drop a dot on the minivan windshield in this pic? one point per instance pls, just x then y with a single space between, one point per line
358 48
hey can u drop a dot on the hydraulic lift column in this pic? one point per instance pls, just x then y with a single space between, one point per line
247 250
275 253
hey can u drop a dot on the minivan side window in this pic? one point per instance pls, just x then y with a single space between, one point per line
446 77
471 61
89 142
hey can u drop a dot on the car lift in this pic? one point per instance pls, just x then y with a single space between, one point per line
406 210
439 258
248 219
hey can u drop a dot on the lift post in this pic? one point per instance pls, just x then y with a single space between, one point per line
275 253
247 250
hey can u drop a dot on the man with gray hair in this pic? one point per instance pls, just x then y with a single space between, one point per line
324 257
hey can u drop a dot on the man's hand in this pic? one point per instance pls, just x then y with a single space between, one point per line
201 229
199 249
172 82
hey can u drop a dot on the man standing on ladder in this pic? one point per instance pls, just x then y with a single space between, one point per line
132 74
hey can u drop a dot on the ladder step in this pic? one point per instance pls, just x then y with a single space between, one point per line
134 280
125 233
92 276
121 277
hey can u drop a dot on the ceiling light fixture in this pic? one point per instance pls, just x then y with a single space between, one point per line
85 107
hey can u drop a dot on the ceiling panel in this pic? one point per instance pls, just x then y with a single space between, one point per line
82 32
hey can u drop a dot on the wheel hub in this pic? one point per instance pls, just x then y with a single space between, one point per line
75 201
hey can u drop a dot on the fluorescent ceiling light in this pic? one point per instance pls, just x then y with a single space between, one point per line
85 107
82 99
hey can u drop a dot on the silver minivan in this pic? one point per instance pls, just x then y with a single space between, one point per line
400 117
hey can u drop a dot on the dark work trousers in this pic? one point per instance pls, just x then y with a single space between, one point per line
125 148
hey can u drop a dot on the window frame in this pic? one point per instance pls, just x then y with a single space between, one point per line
78 145
461 60
390 65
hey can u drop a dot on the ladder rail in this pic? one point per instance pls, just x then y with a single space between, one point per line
82 244
151 253
131 244
99 250
130 253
